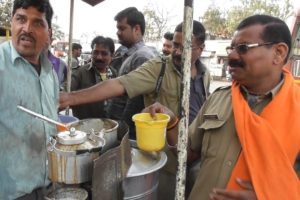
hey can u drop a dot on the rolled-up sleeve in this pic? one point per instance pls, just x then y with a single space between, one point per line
142 80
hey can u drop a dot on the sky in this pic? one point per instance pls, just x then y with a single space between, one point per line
99 20
88 20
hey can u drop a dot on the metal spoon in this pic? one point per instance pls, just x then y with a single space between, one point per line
61 125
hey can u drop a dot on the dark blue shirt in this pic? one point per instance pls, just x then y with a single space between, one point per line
197 92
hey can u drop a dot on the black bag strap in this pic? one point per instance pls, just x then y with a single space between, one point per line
160 77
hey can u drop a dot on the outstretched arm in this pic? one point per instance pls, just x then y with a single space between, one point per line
99 92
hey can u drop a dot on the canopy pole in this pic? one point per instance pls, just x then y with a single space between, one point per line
69 75
185 98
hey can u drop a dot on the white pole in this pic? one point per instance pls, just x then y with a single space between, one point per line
185 85
69 75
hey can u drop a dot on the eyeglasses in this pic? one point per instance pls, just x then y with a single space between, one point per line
243 48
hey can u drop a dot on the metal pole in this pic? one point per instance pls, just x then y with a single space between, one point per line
69 75
185 97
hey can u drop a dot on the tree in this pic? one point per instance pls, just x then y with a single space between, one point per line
156 22
57 34
213 21
222 23
5 12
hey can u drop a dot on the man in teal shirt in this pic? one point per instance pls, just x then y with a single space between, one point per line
27 78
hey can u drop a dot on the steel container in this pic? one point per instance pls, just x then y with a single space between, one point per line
142 180
73 163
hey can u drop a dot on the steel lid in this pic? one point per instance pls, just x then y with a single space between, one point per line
71 137
145 162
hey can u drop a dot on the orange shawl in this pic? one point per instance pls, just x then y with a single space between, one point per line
270 143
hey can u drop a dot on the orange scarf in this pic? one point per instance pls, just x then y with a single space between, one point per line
270 143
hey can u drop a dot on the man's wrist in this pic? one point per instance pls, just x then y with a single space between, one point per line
72 99
173 123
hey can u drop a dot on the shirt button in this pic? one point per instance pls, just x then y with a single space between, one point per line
229 163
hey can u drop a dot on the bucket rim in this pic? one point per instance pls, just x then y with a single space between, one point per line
134 118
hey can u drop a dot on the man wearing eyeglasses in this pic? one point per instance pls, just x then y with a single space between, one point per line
143 81
247 135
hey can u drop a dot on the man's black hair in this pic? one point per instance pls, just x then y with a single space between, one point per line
168 36
76 46
134 17
106 42
275 29
42 6
198 30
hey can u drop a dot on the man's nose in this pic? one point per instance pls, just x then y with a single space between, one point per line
118 33
178 50
99 56
233 55
27 27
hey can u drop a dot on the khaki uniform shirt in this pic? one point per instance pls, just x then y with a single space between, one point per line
213 135
143 81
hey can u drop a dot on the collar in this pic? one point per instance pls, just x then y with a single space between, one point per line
43 59
135 47
14 53
271 93
90 66
200 67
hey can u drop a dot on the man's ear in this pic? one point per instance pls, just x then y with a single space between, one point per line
203 46
50 34
137 29
281 52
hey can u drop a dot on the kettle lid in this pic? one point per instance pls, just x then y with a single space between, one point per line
71 137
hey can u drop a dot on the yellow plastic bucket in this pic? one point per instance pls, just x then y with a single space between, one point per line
150 133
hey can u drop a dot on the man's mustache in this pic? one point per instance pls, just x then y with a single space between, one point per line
178 57
26 36
98 62
236 63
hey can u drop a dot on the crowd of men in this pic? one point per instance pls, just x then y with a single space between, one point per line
241 144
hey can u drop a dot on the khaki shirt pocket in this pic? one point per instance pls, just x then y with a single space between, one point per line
211 128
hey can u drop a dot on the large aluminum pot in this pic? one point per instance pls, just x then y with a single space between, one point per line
142 179
70 158
107 127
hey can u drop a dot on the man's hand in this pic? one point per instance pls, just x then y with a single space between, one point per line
247 194
158 108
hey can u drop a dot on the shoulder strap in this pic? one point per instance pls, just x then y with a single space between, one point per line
160 77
